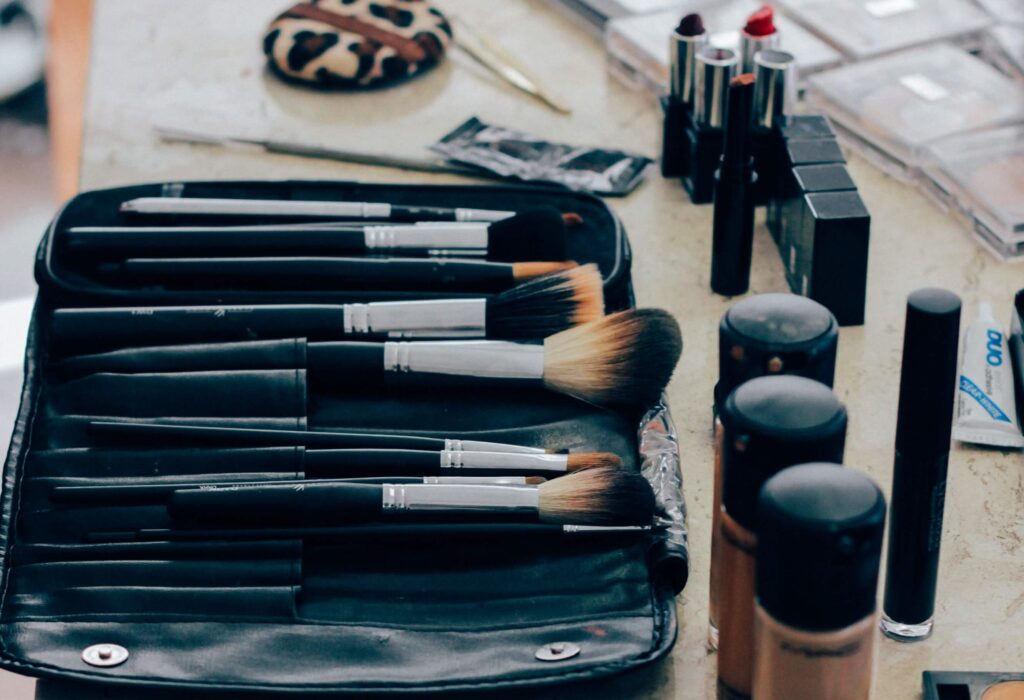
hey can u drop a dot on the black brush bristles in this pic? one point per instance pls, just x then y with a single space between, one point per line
546 305
535 234
625 358
598 496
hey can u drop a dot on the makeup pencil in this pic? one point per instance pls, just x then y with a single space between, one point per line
534 309
534 234
601 496
301 209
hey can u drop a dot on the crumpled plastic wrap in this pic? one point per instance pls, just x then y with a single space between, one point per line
659 453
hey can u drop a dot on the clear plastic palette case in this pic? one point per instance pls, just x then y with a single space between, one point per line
896 105
1004 46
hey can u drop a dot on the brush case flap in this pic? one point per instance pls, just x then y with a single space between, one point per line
398 609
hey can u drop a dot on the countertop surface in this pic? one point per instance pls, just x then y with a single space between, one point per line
200 62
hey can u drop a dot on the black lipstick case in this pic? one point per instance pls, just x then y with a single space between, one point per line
322 613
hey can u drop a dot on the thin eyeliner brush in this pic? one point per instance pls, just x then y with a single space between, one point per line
301 209
265 437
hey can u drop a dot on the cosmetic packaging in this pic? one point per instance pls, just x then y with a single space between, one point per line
923 426
774 99
758 34
705 130
796 128
818 551
973 685
684 43
987 408
768 424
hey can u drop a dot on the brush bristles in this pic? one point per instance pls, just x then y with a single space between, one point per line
523 271
600 496
592 460
624 358
535 480
546 305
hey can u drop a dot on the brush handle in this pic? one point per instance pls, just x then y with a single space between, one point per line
388 274
340 464
247 437
345 364
307 503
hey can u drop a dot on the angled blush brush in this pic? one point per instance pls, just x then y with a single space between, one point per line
534 234
600 496
535 309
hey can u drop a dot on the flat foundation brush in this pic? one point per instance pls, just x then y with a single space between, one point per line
179 435
176 207
600 496
535 234
532 310
363 274
625 358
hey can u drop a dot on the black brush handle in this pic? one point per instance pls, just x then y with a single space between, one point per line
217 240
303 504
113 326
263 437
387 274
344 365
339 464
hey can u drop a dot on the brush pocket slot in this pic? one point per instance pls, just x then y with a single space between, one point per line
287 353
56 433
189 551
159 461
223 394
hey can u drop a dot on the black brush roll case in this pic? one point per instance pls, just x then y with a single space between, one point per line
412 610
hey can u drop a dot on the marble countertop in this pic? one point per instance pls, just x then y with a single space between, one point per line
199 62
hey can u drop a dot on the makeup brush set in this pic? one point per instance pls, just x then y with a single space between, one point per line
356 420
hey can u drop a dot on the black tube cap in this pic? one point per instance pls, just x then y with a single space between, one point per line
929 376
775 334
819 546
772 423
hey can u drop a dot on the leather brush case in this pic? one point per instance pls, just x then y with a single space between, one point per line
391 610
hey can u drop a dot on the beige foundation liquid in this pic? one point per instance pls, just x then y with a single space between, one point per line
820 541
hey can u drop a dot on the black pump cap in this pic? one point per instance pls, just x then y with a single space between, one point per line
775 334
929 376
772 423
819 546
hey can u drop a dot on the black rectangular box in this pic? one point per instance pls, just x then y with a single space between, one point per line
797 153
705 153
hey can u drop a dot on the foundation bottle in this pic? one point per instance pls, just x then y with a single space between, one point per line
769 424
819 544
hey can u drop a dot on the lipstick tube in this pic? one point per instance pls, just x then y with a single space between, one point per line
923 428
683 64
774 87
818 552
769 424
715 70
683 47
759 34
766 334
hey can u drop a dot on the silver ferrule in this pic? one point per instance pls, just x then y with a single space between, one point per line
482 446
465 214
715 68
683 64
491 480
441 318
503 461
751 45
774 86
257 207
596 529
459 498
466 358
435 238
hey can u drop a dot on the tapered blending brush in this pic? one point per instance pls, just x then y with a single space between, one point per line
535 234
157 207
183 434
534 309
599 496
351 274
626 358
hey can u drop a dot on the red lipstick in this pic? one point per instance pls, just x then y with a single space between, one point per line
761 23
758 34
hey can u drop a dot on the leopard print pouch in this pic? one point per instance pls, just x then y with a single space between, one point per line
356 43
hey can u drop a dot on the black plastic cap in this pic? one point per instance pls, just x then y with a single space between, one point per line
771 423
928 379
819 546
532 235
775 334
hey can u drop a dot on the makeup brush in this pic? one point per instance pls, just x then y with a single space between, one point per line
625 358
534 234
156 493
179 434
385 274
534 309
301 209
600 496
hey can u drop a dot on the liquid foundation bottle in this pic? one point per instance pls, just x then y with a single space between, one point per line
819 545
766 334
769 424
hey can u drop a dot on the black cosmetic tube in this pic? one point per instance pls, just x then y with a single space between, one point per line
924 423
